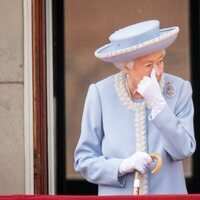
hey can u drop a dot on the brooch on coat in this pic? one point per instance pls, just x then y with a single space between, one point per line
170 90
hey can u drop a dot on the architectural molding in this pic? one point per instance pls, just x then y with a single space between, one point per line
51 138
39 96
28 100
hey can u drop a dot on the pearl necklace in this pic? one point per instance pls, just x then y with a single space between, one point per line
124 93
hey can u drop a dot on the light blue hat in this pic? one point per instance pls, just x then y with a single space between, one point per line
137 40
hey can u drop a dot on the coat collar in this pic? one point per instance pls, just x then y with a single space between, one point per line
124 96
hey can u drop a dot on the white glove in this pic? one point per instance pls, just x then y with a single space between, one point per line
150 90
138 161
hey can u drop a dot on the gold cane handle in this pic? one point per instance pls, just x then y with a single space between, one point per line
159 160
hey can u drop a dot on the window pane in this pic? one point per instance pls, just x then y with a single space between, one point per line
88 23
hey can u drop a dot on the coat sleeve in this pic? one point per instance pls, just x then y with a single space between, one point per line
89 160
176 126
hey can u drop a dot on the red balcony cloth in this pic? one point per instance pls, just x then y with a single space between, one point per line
71 197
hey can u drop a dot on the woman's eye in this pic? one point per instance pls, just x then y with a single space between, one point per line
160 62
149 66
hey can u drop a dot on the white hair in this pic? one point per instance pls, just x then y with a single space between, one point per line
121 65
164 52
130 64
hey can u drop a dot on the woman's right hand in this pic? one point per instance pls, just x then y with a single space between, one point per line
138 161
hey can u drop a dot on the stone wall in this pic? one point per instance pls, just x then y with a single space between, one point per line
12 173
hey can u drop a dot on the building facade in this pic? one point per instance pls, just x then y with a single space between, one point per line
39 47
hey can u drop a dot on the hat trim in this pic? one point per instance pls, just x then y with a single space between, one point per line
136 47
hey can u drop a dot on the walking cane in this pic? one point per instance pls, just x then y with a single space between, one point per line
136 185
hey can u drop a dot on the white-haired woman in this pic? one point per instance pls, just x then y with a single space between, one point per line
138 111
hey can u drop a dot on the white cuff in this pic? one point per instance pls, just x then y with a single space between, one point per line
156 109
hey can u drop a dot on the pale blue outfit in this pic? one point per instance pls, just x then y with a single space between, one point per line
108 136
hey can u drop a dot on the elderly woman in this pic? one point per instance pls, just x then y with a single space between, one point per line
135 112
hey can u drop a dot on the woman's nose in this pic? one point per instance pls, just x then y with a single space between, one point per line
157 70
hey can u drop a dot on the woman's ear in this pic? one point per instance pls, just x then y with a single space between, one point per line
126 69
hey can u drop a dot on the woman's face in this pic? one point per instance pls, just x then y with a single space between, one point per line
143 67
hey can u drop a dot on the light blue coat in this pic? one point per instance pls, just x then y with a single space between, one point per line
107 137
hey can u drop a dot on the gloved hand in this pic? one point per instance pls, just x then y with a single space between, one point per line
150 90
138 161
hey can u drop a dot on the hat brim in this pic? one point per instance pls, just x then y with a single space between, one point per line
108 54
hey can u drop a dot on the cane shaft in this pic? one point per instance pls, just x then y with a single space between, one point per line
136 184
